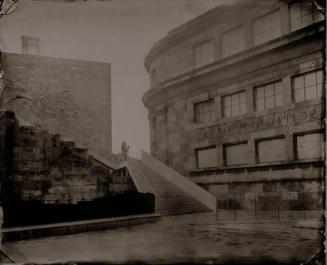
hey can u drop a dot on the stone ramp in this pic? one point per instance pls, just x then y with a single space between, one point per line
169 199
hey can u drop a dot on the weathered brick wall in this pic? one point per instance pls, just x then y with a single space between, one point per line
68 97
42 167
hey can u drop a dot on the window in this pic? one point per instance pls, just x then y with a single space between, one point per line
30 45
271 150
233 42
236 154
235 104
204 53
267 28
310 145
207 157
269 96
307 86
304 13
204 111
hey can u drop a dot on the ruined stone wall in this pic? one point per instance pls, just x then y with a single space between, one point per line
39 166
68 97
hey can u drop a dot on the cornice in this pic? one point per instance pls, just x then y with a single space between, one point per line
251 54
202 22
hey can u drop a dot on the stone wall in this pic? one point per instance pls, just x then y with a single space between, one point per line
39 166
258 150
69 97
175 136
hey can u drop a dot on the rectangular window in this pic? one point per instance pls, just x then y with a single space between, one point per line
303 13
30 45
267 28
271 150
207 157
204 111
236 154
204 53
233 42
235 104
307 86
269 96
310 145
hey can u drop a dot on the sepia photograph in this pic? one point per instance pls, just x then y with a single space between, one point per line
163 132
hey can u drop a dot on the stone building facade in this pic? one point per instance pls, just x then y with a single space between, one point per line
237 101
68 97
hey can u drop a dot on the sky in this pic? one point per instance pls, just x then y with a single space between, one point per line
117 31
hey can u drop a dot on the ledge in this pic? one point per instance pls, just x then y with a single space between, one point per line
41 231
259 166
295 170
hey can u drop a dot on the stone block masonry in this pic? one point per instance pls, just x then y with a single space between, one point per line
67 97
246 123
46 179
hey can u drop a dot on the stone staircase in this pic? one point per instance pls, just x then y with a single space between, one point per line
169 199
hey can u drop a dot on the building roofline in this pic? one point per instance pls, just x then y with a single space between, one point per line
55 58
302 34
210 17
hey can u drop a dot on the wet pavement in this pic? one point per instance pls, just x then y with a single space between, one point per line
193 238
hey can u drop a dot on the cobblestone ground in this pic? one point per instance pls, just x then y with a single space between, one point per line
193 238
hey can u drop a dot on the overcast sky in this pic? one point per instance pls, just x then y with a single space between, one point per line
117 31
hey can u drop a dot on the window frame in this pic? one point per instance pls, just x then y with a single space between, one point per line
295 142
278 11
245 142
194 48
205 148
212 111
264 97
258 140
303 74
312 14
224 34
223 98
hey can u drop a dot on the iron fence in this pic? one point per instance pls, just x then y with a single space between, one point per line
270 205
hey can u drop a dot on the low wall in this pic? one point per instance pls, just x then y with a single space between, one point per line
35 212
34 232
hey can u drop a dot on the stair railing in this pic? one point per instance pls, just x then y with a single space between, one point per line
138 177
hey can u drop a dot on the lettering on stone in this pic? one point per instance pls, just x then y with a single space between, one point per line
260 123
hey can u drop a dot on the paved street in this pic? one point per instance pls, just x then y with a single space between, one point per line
185 238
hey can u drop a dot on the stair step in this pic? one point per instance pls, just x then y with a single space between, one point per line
170 199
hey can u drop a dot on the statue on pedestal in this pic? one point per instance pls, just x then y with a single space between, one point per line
124 150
